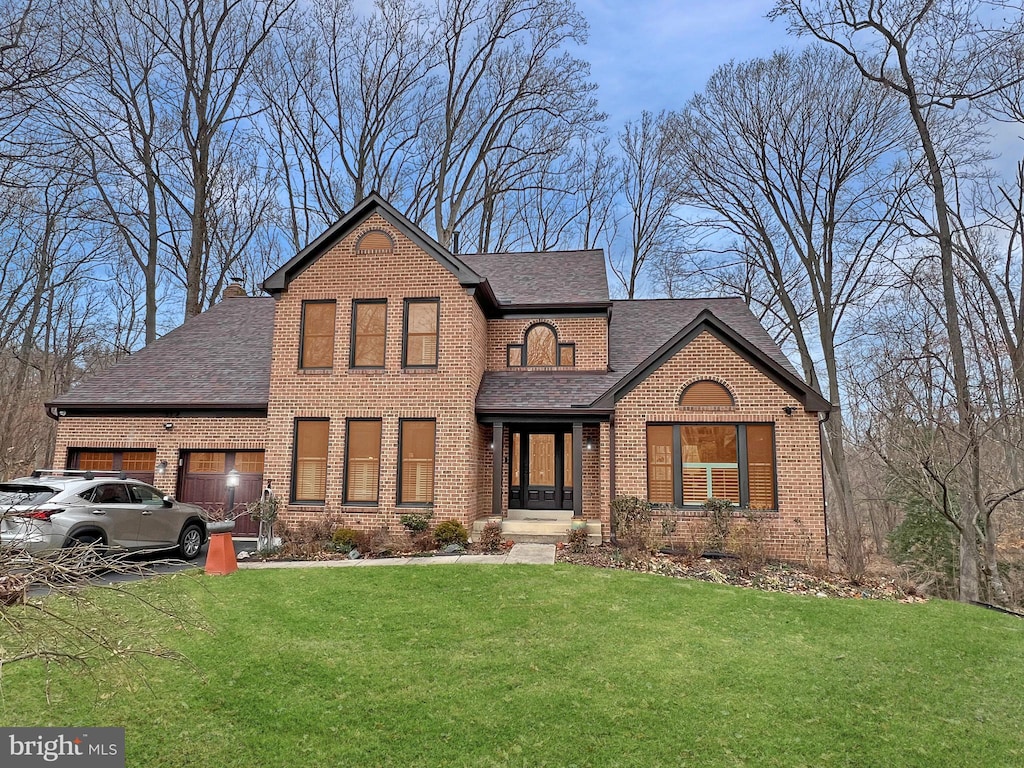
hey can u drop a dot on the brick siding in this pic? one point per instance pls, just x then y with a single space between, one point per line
589 334
796 532
137 432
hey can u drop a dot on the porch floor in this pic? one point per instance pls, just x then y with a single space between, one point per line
541 526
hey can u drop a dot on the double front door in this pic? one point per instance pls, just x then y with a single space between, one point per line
540 471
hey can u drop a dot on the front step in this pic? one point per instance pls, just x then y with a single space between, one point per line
539 530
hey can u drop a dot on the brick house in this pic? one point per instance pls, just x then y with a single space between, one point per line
385 373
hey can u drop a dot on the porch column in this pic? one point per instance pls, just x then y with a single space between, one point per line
498 441
577 469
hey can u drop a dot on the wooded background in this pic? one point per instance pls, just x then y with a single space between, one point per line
152 149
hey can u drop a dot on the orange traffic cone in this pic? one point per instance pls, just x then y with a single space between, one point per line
220 558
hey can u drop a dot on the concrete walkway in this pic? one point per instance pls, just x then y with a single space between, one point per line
526 554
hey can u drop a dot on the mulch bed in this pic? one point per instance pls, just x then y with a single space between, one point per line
771 577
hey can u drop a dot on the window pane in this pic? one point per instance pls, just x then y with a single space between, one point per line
659 465
138 461
760 466
540 346
318 334
417 462
515 458
421 333
566 355
706 393
143 494
311 460
96 461
709 463
542 459
362 463
249 462
206 463
567 460
515 356
370 321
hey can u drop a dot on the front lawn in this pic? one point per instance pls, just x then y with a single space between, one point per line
553 666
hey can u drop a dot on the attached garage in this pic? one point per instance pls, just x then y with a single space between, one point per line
203 481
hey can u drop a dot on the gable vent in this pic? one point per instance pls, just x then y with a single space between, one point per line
375 241
704 394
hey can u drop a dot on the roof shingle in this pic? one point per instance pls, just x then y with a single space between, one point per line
220 358
554 277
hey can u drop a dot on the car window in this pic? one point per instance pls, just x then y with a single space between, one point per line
144 494
108 493
24 493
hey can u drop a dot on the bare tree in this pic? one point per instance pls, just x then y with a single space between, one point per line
647 184
802 179
506 88
934 55
211 46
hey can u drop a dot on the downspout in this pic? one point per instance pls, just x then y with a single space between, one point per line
824 501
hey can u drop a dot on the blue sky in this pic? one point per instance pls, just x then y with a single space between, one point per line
654 54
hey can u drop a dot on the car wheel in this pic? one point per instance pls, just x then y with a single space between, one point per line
87 553
190 542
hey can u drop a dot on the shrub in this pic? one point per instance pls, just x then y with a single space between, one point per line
308 539
384 542
578 543
719 517
490 538
747 542
450 532
345 539
631 521
926 543
416 522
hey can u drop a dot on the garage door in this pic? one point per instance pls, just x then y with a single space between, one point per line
203 481
136 464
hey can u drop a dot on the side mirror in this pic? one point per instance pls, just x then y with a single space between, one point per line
168 501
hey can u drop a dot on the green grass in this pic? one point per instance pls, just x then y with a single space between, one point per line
562 666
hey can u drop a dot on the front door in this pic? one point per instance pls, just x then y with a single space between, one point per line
540 470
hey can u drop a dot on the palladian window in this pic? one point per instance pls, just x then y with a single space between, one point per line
541 349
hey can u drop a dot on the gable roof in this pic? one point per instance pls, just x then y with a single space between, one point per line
372 203
643 334
751 341
552 277
219 359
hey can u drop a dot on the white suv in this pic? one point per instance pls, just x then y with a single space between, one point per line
66 509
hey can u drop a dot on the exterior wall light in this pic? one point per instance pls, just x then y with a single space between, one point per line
789 410
161 467
168 425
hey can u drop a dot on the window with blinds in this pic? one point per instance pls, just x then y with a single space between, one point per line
420 345
317 343
659 465
369 323
309 465
416 462
706 394
761 466
362 461
689 463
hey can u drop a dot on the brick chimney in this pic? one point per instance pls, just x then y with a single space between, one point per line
234 289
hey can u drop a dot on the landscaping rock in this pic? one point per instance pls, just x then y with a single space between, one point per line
355 554
454 549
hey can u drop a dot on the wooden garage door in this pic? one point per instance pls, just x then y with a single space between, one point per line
202 481
138 464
